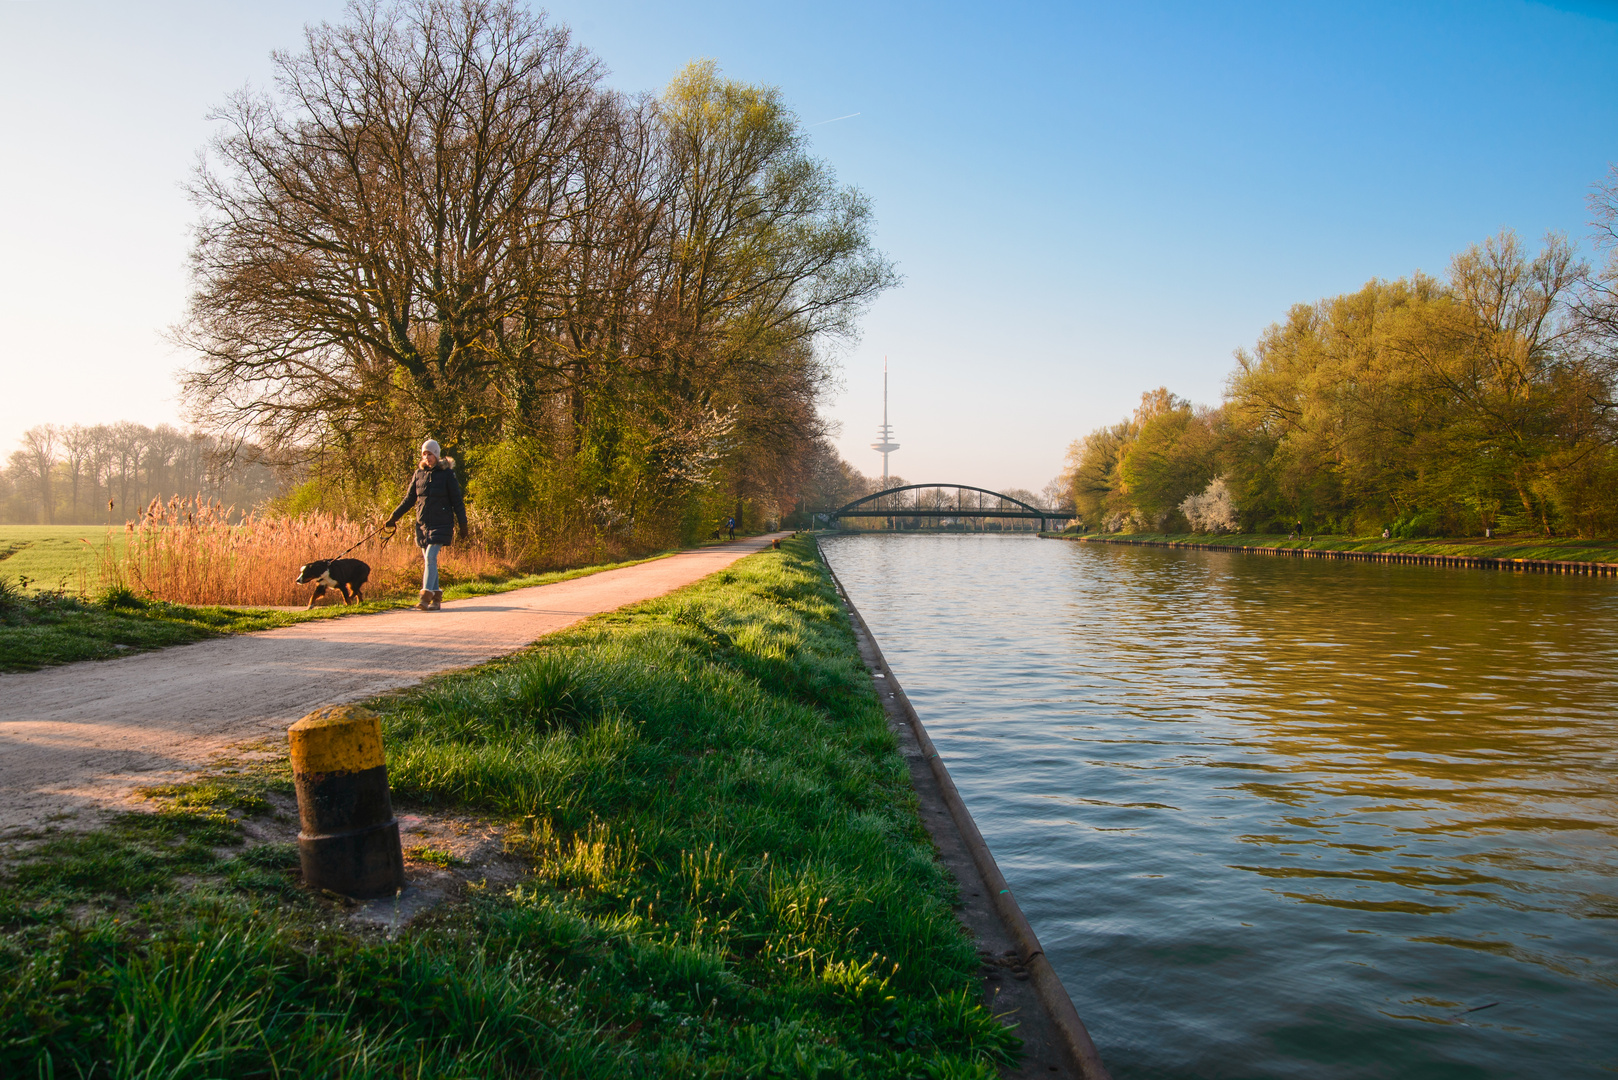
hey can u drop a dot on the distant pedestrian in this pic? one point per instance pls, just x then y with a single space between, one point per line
437 491
730 527
1384 534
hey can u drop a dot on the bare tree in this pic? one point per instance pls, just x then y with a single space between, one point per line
374 242
127 442
128 464
1057 494
79 442
1596 305
37 459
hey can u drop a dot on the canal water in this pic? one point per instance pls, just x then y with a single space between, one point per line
1282 817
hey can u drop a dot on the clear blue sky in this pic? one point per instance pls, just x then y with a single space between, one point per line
1086 200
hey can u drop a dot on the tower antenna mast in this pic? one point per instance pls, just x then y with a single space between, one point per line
886 445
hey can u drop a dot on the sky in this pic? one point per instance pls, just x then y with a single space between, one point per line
1086 201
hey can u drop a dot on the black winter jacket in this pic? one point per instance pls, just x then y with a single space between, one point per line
442 507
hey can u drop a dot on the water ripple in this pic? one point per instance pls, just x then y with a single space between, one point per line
1277 817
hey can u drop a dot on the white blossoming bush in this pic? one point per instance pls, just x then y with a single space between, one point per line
1213 511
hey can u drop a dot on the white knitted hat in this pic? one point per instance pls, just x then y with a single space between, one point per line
431 447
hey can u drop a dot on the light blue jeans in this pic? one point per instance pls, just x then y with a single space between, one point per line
429 569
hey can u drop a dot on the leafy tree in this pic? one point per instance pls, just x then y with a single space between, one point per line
1142 468
1502 359
1479 400
1174 454
1093 470
442 222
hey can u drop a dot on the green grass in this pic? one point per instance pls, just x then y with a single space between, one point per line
55 556
728 878
40 628
45 628
1505 547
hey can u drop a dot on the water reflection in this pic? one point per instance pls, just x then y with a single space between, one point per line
1281 817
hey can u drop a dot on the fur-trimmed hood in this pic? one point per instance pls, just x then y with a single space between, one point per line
445 463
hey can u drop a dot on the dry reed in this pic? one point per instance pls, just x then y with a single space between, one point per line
193 551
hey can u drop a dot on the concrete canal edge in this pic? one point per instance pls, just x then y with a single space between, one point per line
1476 562
1019 981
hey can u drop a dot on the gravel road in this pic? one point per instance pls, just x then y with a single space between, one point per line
76 740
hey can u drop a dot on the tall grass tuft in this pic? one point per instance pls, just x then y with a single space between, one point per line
194 551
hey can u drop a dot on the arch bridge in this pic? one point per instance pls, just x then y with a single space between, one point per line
882 504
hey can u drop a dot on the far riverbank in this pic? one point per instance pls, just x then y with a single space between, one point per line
1503 553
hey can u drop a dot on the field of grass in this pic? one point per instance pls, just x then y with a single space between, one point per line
1503 547
727 878
39 628
56 556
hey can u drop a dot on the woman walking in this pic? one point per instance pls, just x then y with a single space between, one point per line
433 486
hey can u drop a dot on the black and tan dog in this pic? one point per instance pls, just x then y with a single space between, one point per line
347 576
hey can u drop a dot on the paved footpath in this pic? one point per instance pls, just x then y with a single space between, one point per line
81 736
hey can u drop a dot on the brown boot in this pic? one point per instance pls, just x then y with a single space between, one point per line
438 600
426 601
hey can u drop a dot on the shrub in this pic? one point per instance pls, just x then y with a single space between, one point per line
1212 511
114 597
1415 524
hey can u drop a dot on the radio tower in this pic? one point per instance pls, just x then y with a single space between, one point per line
887 445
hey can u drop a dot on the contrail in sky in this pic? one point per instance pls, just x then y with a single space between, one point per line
834 119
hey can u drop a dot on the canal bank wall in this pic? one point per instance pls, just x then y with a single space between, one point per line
1473 562
1018 979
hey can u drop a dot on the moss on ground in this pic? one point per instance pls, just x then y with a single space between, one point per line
727 877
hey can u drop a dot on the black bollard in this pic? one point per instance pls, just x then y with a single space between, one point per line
348 840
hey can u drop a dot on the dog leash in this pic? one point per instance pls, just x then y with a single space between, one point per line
392 528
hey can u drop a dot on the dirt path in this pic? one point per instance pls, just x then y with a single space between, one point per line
76 739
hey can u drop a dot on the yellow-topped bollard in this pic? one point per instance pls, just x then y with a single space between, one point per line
348 838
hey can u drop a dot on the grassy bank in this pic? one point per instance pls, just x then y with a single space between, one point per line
1509 547
725 876
40 628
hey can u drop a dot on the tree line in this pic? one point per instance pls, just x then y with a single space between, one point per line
106 473
1485 400
614 310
